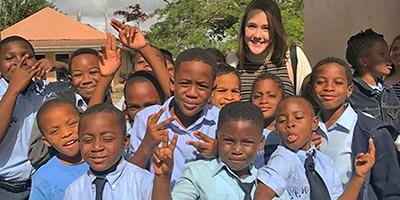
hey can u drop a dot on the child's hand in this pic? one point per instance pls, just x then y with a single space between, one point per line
163 157
130 36
155 132
207 148
45 66
365 161
317 140
109 57
22 75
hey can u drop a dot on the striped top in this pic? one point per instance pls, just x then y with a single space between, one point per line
396 88
250 74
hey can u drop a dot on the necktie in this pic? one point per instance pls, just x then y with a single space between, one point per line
99 183
318 190
246 187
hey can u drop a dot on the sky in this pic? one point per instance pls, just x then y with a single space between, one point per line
94 12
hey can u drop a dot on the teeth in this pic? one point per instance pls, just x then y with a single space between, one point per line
70 142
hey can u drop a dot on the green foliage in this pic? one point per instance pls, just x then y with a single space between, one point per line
13 11
213 23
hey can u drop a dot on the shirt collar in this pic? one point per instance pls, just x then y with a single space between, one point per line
34 86
206 116
112 177
219 166
371 90
347 120
80 103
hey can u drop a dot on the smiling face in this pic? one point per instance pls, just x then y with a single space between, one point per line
266 96
193 85
11 53
377 58
238 143
295 123
85 73
256 33
226 90
101 140
395 52
59 126
331 87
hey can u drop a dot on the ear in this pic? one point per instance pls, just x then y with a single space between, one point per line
46 142
261 144
127 141
349 90
315 123
362 61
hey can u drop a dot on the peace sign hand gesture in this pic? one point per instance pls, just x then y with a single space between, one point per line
130 36
163 158
155 132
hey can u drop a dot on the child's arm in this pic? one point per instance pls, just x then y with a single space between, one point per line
207 148
133 38
363 163
109 62
163 163
263 192
19 80
152 138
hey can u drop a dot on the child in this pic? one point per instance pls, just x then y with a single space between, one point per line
57 120
300 169
186 113
226 86
102 139
230 176
368 54
266 92
345 132
20 98
140 91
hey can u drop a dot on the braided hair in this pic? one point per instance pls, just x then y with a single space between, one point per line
358 44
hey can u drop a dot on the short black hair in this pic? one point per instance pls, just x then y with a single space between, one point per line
218 55
167 56
15 38
144 76
196 54
105 108
309 105
80 52
241 111
268 76
359 43
334 60
50 104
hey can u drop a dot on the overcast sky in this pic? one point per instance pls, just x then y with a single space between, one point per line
93 11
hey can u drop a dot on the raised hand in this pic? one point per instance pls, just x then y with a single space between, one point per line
365 161
317 140
163 158
155 132
130 36
109 57
22 75
45 66
207 148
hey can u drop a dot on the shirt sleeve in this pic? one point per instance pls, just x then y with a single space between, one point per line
68 194
278 170
137 133
39 189
337 187
185 187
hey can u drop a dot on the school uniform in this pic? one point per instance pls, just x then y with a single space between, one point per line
206 123
285 171
382 182
212 179
128 181
15 168
272 140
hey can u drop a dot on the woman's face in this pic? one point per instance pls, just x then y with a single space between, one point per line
395 53
256 32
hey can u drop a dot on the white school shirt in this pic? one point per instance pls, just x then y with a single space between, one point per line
128 181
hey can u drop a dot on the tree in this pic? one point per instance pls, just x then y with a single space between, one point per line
213 23
13 11
134 13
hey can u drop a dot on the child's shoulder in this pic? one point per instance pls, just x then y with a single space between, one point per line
48 168
203 167
136 170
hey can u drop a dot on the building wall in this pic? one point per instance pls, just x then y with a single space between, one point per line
328 24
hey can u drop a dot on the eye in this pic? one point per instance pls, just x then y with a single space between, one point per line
299 117
221 90
184 84
73 123
281 119
251 26
228 141
203 86
94 71
87 140
54 132
108 139
76 75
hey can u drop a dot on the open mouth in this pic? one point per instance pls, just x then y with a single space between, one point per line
70 143
291 138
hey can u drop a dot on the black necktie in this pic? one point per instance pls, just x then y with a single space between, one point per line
318 190
99 183
246 187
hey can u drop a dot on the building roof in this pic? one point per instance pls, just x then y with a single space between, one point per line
49 26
